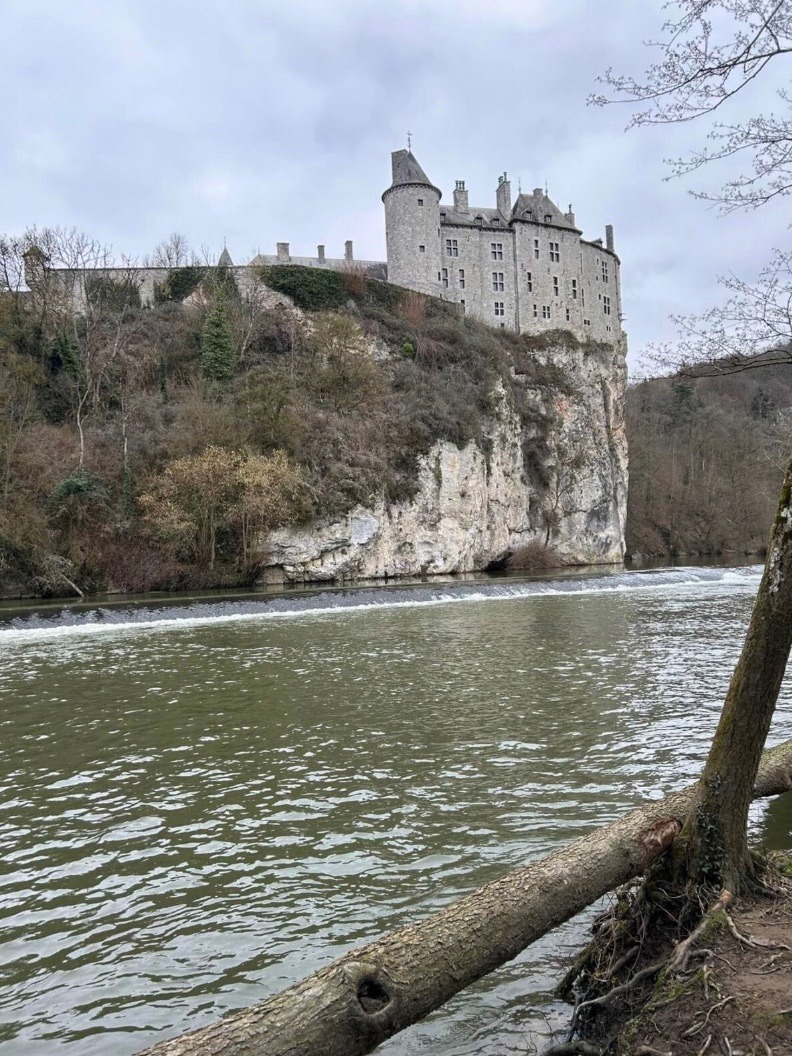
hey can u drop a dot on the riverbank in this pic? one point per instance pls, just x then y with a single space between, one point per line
731 993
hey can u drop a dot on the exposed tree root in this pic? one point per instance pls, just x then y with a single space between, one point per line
651 947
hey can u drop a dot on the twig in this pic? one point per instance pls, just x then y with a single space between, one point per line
705 1046
768 1050
767 964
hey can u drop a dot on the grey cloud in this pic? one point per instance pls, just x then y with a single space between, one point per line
261 121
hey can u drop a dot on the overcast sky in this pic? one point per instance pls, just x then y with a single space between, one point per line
260 121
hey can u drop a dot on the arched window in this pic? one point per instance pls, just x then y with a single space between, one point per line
528 214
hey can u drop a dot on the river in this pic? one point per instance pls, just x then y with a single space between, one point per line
203 802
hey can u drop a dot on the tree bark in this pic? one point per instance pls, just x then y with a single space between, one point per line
712 850
364 997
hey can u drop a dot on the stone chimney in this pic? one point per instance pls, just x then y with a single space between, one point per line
460 197
283 251
569 216
609 237
503 195
320 252
348 250
538 192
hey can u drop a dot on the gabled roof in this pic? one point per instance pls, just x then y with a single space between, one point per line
537 208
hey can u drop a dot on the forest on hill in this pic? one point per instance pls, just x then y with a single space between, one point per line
707 458
149 447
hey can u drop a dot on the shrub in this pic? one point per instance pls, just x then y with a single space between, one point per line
312 289
533 557
179 284
112 295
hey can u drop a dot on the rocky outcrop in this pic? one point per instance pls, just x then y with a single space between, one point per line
555 473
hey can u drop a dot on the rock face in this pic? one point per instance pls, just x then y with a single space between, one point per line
562 483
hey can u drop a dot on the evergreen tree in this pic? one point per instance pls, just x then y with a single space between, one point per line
217 350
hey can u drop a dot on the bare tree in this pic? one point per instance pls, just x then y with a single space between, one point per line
172 252
710 51
751 329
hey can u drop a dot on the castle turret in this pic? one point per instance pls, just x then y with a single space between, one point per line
412 226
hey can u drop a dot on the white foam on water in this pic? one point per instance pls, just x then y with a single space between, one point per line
36 627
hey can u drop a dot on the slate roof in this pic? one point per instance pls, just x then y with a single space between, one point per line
449 215
406 170
537 207
225 260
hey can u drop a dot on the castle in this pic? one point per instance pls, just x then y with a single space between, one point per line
523 266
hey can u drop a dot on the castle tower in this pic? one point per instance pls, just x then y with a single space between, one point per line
412 226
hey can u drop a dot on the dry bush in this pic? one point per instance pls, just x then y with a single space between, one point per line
413 309
533 557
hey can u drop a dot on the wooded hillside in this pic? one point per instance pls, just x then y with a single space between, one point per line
707 458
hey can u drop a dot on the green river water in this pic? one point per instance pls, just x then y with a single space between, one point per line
202 803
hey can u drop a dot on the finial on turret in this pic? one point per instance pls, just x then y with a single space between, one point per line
409 140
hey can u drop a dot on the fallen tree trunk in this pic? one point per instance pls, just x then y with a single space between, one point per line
353 1004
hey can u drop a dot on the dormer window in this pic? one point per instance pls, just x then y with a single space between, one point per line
528 214
479 219
495 222
548 218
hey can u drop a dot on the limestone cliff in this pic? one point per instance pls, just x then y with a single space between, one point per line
560 481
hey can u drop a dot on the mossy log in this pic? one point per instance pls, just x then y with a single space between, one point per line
353 1004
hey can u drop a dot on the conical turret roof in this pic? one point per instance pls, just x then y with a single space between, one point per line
406 171
225 260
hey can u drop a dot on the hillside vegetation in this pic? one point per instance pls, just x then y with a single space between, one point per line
707 458
149 448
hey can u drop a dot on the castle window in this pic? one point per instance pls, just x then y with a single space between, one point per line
462 279
452 247
495 222
528 214
574 289
555 252
536 248
462 302
548 218
587 322
445 277
529 281
536 311
545 311
568 316
500 308
439 276
497 281
605 271
583 297
422 249
479 220
555 285
606 305
420 201
503 326
609 328
496 250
